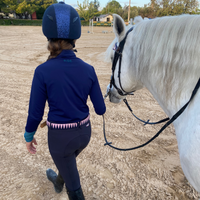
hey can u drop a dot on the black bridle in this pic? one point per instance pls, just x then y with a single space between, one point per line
163 128
122 92
118 56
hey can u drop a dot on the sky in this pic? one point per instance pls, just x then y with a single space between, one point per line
103 3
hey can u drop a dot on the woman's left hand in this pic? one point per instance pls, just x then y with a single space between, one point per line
31 148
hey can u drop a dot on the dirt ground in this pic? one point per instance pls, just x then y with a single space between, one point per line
150 173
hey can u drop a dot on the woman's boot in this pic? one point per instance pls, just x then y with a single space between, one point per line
57 180
76 195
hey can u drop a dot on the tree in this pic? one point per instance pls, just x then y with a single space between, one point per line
175 7
45 3
11 6
123 12
134 12
111 7
153 4
96 5
154 8
190 6
26 7
42 5
86 10
2 5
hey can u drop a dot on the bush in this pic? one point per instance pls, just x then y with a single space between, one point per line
20 22
84 23
38 22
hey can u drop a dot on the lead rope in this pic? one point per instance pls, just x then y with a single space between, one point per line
158 133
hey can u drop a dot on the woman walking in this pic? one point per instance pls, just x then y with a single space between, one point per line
65 82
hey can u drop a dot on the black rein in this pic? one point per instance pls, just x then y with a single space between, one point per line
122 92
164 127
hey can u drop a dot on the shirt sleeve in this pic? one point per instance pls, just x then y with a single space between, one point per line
37 102
97 97
29 136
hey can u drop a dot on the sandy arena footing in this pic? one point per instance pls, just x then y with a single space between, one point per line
150 173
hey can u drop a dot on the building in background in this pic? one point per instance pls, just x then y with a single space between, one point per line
103 18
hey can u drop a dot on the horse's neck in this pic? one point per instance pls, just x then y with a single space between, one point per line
171 107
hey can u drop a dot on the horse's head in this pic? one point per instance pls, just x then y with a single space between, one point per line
120 54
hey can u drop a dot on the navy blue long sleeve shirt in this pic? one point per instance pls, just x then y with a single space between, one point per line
65 82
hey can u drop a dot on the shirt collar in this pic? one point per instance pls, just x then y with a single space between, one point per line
66 53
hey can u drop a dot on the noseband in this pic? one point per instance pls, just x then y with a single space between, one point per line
118 56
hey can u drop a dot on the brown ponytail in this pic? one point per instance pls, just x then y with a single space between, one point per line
55 46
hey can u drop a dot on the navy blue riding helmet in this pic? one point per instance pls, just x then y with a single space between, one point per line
61 21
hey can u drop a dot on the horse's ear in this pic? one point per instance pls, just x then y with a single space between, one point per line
119 27
138 19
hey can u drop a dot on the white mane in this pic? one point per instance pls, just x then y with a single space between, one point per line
166 50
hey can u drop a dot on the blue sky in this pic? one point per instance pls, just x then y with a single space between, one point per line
104 2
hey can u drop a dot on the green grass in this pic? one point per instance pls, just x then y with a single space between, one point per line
38 22
28 22
20 22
